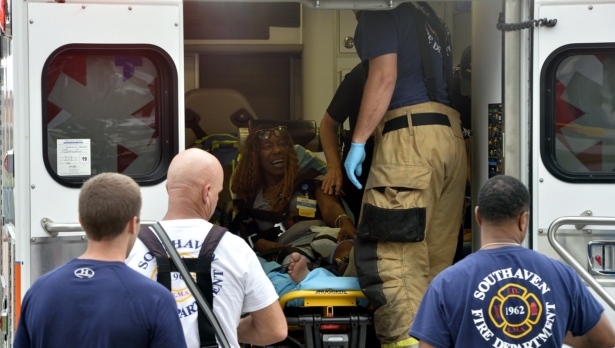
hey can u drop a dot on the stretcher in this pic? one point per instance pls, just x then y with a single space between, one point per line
327 319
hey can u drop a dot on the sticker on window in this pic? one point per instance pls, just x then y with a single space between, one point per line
74 157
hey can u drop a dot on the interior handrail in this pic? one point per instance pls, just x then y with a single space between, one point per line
583 273
54 228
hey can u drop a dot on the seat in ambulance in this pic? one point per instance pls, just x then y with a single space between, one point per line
215 111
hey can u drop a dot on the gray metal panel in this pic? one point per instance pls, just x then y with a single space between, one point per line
47 253
513 105
486 89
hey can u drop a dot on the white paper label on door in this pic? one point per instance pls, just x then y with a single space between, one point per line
74 157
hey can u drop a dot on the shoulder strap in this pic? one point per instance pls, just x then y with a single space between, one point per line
428 69
147 236
441 29
205 308
309 174
192 121
275 217
422 18
207 334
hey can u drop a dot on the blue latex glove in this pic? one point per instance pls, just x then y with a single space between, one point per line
354 162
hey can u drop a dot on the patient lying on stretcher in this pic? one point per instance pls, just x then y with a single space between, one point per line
281 211
299 277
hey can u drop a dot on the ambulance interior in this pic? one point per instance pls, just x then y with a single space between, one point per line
283 61
249 61
278 61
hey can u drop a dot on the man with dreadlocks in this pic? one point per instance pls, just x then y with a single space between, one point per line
280 207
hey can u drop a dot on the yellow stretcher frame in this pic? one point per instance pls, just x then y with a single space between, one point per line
327 299
324 298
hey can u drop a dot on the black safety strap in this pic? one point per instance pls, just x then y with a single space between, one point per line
204 282
282 216
428 69
283 252
192 121
147 236
201 266
431 18
445 40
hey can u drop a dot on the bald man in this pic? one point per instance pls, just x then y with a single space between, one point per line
240 286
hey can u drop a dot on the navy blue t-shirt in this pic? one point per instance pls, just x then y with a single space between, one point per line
345 105
98 304
510 294
394 31
347 99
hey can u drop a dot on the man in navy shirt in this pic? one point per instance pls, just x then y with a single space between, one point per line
345 105
413 201
96 300
505 295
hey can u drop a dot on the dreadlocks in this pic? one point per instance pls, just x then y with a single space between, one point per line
248 178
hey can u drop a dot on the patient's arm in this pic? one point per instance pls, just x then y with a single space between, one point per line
263 327
331 209
332 183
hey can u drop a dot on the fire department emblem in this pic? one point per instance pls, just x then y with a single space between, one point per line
515 310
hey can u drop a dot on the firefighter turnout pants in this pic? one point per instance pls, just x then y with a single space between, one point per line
411 212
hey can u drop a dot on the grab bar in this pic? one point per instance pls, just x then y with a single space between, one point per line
575 220
54 228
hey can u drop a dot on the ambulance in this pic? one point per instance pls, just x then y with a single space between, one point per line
91 86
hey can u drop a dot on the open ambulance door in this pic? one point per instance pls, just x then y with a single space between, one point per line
573 140
103 90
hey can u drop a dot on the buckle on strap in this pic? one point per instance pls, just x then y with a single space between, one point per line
422 119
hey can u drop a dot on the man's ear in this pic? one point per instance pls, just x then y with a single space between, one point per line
477 216
523 221
133 225
205 193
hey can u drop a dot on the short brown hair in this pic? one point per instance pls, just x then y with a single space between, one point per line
107 202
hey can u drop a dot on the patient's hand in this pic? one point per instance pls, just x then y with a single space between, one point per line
262 245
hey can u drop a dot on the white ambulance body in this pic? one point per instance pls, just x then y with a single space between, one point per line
90 86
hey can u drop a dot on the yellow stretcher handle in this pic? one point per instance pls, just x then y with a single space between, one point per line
324 298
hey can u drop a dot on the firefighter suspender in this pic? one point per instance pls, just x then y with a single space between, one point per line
200 265
423 16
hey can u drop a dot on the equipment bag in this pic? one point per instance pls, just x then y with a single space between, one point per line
208 325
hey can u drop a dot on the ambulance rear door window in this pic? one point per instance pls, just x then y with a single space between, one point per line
109 109
578 118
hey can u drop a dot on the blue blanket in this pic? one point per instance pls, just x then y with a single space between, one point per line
317 279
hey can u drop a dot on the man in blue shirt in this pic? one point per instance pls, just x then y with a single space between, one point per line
96 300
345 106
505 295
413 201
